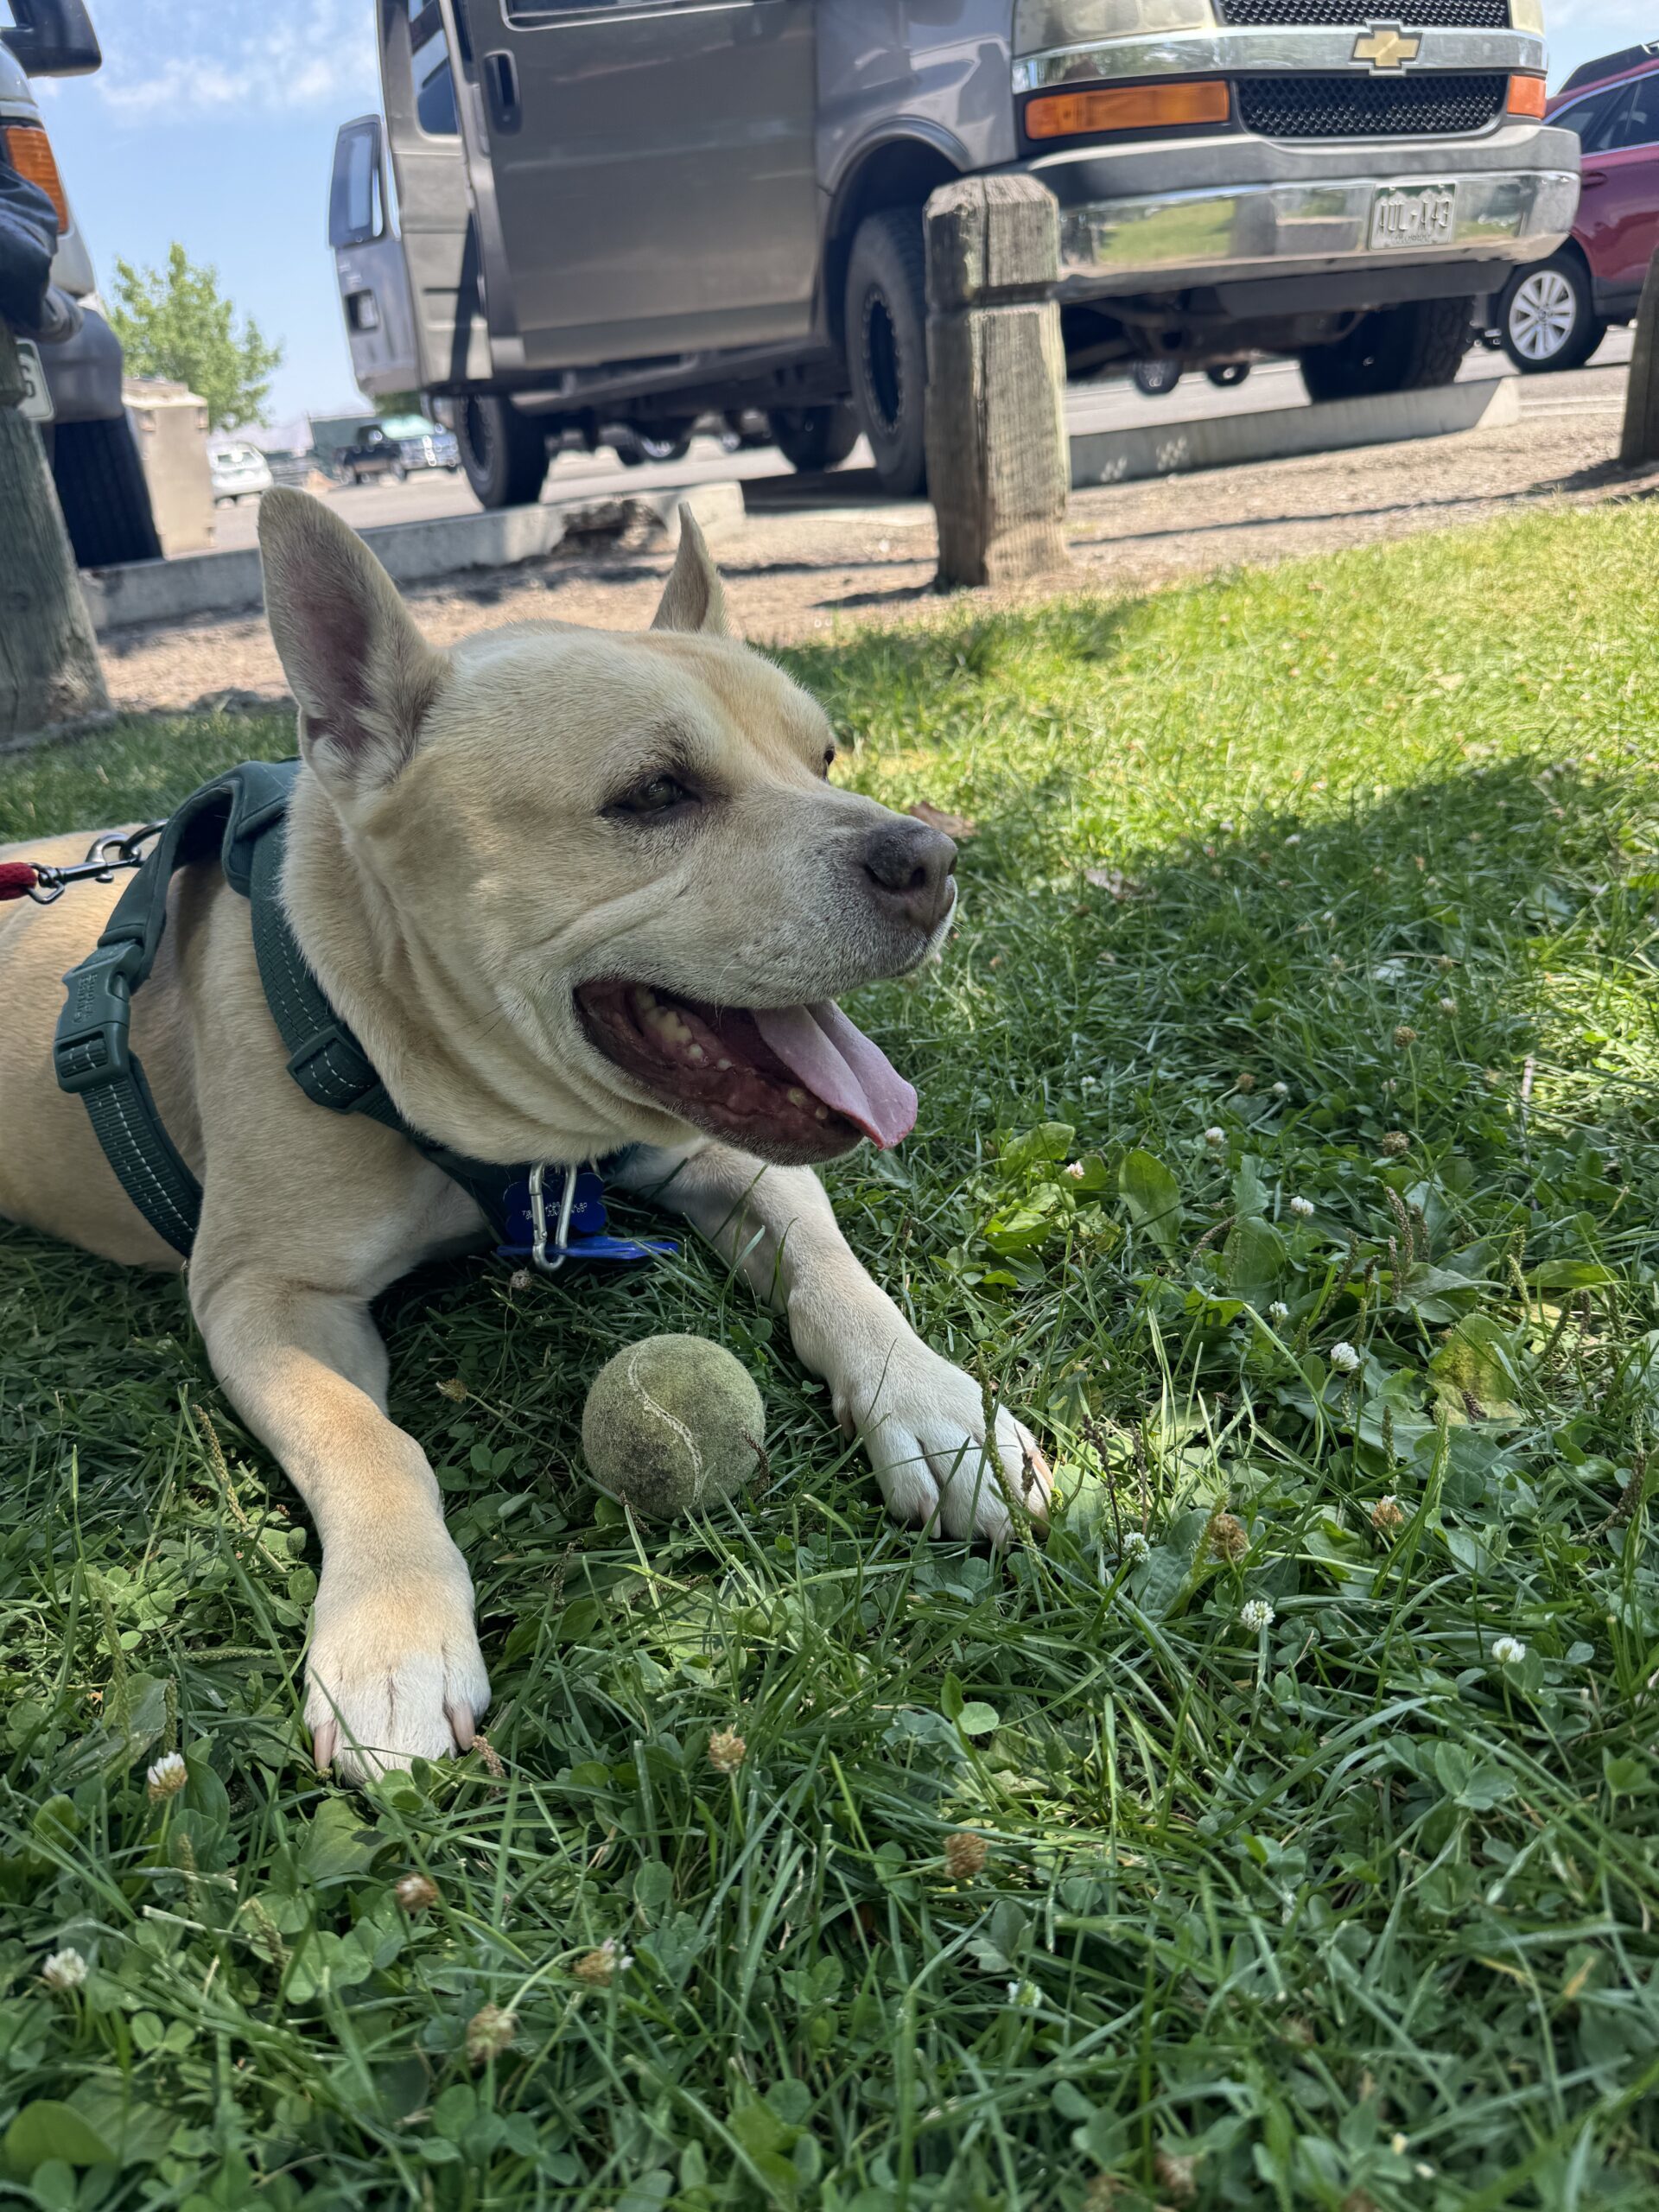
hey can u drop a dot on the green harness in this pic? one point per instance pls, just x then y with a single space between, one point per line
242 814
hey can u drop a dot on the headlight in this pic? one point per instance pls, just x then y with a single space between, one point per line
1038 24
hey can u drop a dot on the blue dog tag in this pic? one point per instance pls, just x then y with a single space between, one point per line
588 1239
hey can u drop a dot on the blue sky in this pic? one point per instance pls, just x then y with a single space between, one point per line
212 121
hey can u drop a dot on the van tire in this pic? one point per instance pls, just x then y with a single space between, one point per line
814 438
886 328
102 491
1410 348
503 452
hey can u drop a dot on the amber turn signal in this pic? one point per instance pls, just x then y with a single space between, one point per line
1129 107
1526 95
29 151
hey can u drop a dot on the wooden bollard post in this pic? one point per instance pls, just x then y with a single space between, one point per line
998 464
1640 442
49 669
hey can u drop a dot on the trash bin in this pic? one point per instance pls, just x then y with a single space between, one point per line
170 427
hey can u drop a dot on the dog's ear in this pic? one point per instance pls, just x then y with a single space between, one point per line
365 677
692 597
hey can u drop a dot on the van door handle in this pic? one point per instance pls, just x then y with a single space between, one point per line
501 92
1592 177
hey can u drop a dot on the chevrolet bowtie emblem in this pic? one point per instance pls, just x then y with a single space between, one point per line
1387 46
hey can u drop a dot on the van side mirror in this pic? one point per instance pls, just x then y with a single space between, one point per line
357 204
53 38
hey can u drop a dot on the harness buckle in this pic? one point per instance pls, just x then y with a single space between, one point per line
90 1045
548 1262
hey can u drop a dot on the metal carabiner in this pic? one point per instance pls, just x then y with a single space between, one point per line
539 1245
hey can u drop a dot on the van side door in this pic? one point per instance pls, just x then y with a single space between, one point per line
653 169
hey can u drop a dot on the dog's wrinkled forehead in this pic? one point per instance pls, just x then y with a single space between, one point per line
582 710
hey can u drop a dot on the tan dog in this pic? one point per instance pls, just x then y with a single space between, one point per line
536 874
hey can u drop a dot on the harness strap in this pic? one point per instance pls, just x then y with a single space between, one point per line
92 1048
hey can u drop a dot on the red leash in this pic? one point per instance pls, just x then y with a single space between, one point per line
42 882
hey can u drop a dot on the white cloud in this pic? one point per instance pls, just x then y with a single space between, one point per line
219 57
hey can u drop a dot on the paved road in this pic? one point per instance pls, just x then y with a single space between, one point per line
1116 406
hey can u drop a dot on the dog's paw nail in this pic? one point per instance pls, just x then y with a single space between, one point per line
325 1740
461 1726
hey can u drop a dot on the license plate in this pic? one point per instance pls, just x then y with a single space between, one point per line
37 397
1414 214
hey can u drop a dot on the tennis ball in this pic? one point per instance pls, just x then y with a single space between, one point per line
672 1423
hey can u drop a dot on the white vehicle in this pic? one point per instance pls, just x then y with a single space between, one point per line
239 471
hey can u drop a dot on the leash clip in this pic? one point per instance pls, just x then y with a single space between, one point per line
107 854
546 1264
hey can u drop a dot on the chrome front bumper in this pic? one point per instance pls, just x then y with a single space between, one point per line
1174 239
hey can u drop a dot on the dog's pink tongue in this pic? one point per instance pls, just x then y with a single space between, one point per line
836 1061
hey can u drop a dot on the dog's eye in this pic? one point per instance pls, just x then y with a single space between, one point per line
829 758
655 797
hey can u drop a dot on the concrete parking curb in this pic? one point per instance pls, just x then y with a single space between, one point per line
412 552
1280 433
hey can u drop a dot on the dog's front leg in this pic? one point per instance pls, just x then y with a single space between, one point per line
394 1670
921 1420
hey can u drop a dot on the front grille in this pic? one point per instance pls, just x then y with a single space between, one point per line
1448 15
1368 107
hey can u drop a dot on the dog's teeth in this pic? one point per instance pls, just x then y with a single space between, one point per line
698 1054
820 1113
797 1098
644 1000
725 1066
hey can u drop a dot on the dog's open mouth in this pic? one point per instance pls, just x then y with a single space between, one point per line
793 1083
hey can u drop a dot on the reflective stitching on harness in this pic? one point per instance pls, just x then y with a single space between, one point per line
111 1101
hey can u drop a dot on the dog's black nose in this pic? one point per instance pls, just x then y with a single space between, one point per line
911 867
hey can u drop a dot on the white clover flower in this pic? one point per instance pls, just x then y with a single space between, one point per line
1281 1090
1278 1310
1255 1614
1509 1651
1215 1136
1025 1994
1294 838
1137 1548
63 1969
1448 1006
1074 1169
166 1777
1301 1207
1344 1356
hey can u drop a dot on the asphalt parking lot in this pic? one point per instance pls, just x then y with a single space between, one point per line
1090 407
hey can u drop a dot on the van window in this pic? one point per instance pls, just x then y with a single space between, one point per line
435 79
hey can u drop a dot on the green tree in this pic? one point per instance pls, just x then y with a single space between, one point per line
175 322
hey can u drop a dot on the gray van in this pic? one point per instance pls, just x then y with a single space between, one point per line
635 211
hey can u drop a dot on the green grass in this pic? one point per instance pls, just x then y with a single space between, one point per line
1344 1908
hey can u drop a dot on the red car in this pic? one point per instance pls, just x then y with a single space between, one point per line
1554 314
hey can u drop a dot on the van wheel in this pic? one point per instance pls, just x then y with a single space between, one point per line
503 452
1546 317
813 438
887 345
102 491
1409 348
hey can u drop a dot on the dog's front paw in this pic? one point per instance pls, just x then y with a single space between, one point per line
923 1423
394 1672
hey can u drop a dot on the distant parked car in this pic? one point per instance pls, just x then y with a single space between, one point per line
239 471
397 448
1554 314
